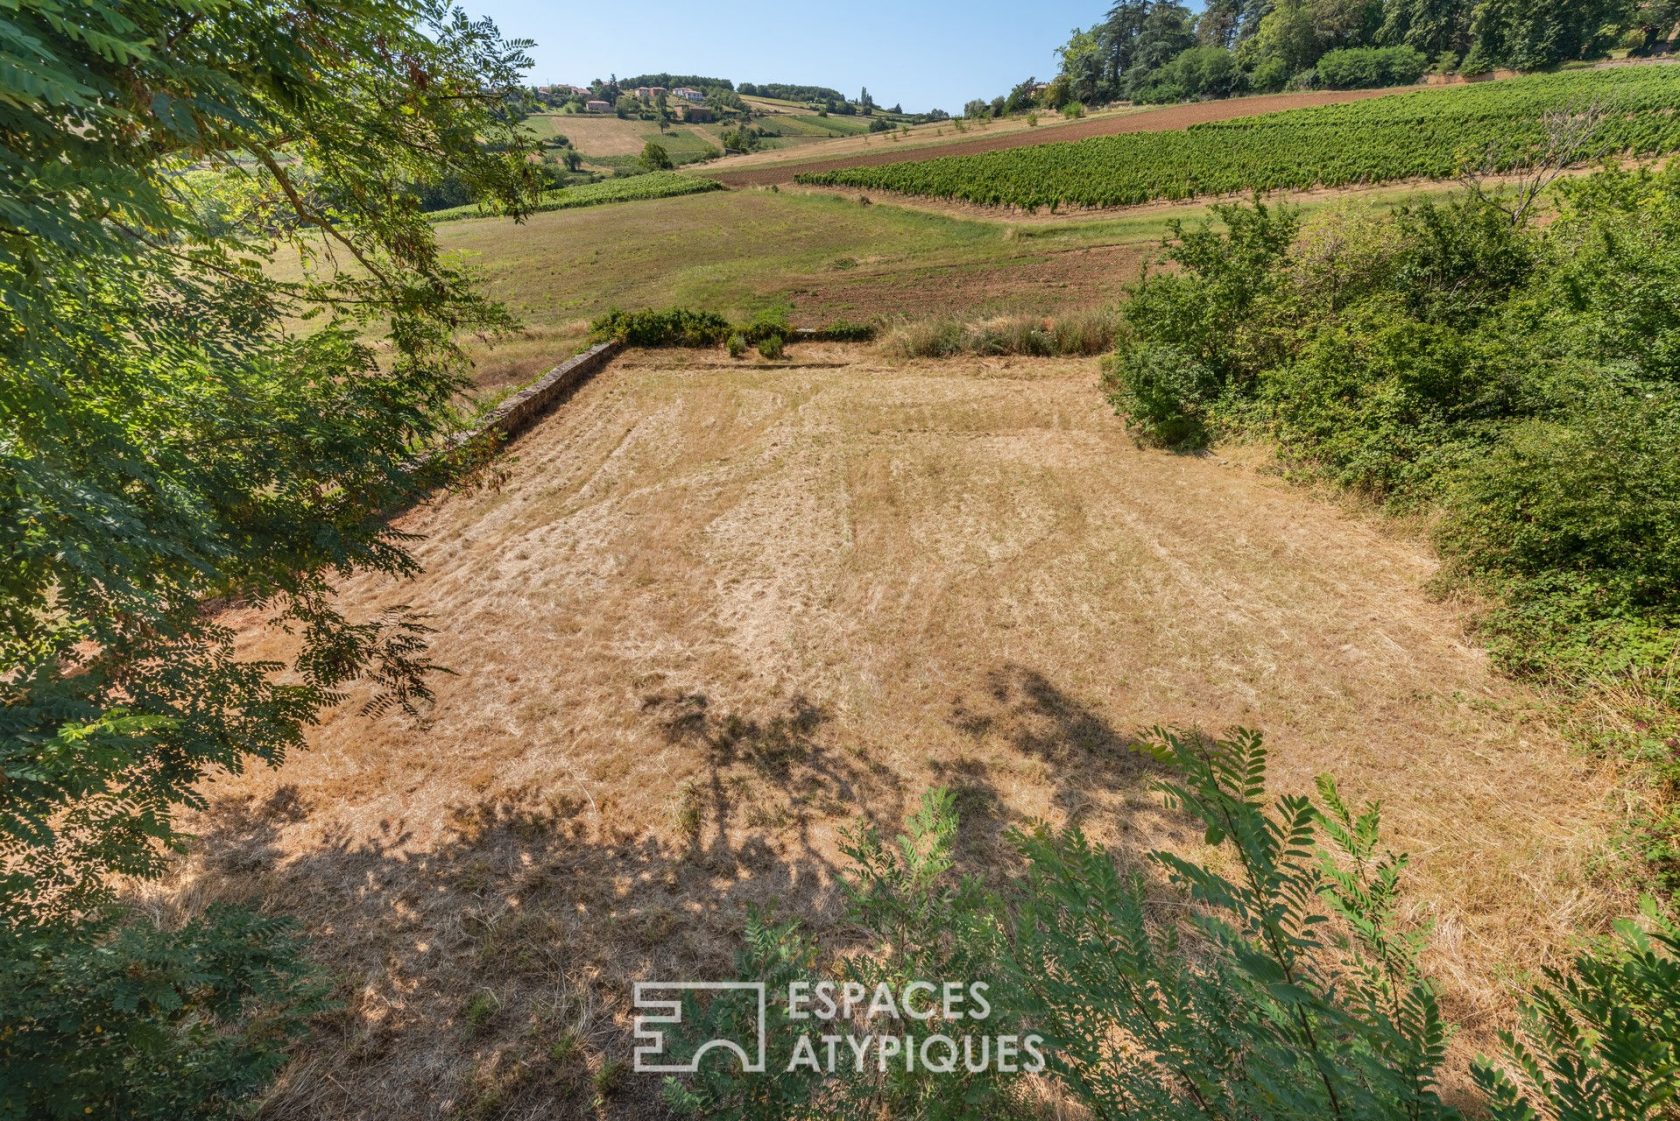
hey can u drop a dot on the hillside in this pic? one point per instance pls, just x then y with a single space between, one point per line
718 610
1420 134
944 138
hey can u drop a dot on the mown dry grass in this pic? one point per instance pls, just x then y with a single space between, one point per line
719 610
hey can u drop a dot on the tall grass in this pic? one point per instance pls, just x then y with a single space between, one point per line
1076 334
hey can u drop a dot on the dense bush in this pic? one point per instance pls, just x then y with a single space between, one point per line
1279 981
1165 393
1360 68
138 1022
655 158
693 328
1200 72
674 327
1519 378
1371 404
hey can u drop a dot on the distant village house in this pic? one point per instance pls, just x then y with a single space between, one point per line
595 105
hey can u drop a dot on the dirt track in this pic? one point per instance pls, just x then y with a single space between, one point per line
721 609
1155 120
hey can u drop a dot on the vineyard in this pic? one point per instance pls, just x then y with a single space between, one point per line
654 185
1428 134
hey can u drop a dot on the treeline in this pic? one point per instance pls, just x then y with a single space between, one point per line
1155 51
672 81
782 91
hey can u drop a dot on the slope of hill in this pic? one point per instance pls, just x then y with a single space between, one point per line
944 138
719 610
1422 134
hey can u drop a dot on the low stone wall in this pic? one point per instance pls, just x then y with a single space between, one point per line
526 407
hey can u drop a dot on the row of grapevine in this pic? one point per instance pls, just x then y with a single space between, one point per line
1425 134
654 185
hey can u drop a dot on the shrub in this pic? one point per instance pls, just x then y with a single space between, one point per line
845 331
655 157
1073 110
1373 405
1372 67
1595 494
772 321
737 345
1164 393
675 327
1213 308
771 347
1079 334
1270 76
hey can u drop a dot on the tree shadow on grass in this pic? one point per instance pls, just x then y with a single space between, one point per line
489 973
1096 773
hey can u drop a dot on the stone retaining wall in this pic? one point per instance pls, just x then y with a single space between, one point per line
526 407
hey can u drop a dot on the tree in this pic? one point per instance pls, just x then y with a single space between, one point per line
1435 27
1119 34
1528 35
1167 32
1346 23
1657 19
1083 66
1022 97
655 157
1225 23
169 442
1288 37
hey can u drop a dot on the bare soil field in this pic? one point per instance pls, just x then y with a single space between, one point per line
740 174
720 610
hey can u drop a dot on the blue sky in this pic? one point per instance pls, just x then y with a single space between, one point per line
918 53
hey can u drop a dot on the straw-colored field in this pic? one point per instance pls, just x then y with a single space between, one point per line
720 610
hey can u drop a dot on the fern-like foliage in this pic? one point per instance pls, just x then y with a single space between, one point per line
1287 991
1600 1040
1272 980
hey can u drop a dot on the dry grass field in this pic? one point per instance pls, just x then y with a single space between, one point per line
719 610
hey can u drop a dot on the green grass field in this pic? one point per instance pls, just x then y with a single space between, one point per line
820 257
